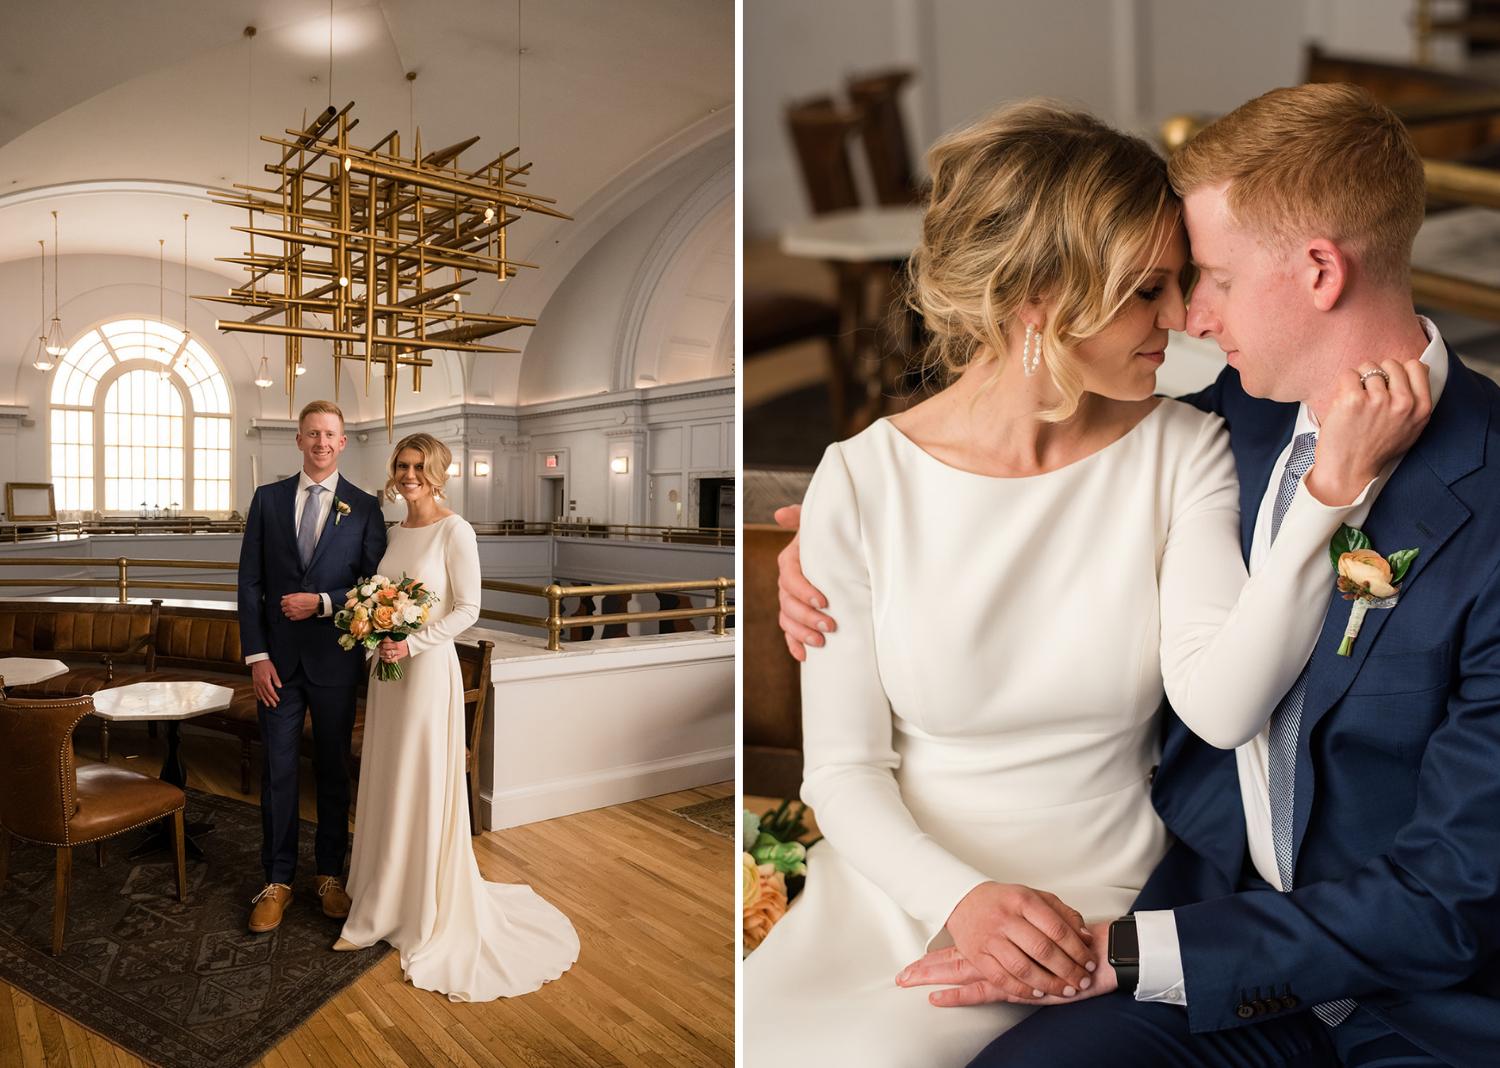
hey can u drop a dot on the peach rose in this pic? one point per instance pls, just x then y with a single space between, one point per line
769 905
389 593
360 628
1368 570
384 617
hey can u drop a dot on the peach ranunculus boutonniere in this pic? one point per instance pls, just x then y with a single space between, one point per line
1365 577
340 510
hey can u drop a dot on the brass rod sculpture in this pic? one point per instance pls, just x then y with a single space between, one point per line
362 232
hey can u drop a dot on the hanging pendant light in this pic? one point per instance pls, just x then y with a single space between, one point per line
43 361
187 334
55 346
161 305
263 376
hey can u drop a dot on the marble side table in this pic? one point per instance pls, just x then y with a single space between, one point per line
21 671
172 702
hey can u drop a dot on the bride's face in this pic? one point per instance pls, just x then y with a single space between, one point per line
1121 361
411 481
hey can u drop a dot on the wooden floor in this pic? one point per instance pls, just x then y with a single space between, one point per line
651 895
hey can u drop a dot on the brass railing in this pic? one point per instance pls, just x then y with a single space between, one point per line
554 622
122 565
626 531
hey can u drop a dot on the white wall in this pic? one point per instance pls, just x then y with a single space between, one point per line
1133 62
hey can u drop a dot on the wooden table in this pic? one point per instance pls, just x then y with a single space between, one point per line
867 249
21 671
172 702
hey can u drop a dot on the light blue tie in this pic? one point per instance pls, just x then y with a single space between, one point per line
1286 724
307 533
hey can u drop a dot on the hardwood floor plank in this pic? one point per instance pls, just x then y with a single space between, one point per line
32 1053
77 1039
10 1035
375 1041
54 1044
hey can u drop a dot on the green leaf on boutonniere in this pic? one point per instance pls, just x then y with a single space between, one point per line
1348 540
1400 561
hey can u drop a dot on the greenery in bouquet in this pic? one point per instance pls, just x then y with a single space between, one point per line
773 867
378 608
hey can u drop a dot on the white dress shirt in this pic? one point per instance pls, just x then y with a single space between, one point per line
325 505
1161 977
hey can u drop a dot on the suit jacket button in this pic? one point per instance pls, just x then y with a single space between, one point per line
1244 1011
1273 1004
1290 1001
1258 1007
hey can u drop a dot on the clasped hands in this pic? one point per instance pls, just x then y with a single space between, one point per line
1013 943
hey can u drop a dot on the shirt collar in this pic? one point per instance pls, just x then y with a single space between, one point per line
1435 356
331 483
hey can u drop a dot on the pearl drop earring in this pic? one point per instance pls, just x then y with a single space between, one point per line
1030 363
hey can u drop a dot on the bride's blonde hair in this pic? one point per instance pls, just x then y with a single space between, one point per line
1036 202
435 460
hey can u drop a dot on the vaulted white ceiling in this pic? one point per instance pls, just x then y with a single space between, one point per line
120 114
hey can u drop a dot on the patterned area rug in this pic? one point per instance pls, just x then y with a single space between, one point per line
718 815
178 984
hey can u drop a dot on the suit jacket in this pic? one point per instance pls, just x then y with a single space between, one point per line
1396 899
270 567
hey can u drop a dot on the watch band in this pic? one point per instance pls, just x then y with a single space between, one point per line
1127 966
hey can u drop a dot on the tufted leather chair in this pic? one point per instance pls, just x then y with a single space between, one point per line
46 799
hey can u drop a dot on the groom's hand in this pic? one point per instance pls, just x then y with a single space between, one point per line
1024 942
801 622
949 967
266 682
301 605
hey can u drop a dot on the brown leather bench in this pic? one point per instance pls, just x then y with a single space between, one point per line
109 644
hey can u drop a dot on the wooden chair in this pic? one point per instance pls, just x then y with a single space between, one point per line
45 799
821 131
773 706
474 663
883 131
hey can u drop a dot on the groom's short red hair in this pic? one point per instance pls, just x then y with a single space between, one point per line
1322 160
319 407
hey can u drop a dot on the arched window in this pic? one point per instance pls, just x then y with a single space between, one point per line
140 415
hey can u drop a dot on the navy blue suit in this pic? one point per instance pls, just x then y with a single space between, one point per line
315 673
1396 899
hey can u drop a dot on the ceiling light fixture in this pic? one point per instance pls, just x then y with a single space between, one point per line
161 305
263 375
43 362
55 346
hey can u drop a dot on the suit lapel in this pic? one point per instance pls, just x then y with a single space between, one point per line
1257 444
287 521
1415 509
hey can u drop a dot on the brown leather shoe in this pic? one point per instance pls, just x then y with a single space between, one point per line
270 903
336 902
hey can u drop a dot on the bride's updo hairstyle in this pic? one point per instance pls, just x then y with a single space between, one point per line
1036 202
435 460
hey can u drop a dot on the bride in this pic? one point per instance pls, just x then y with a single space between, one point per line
413 878
1019 567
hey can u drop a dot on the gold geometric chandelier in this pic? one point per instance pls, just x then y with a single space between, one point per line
378 246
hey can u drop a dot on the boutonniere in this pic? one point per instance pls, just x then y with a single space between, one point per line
1365 577
340 510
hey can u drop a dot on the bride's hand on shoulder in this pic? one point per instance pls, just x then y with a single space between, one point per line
1377 414
948 967
1024 943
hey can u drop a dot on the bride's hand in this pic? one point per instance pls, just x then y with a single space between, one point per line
390 651
948 967
1024 942
1370 423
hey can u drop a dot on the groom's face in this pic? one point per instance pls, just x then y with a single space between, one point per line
1248 299
321 439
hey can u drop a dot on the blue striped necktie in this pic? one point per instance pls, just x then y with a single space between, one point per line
307 533
1286 724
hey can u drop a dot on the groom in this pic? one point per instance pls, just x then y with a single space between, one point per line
307 540
1333 893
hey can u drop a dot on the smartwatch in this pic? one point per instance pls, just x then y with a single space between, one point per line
1125 953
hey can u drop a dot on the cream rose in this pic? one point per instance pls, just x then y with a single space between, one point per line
749 881
384 617
1368 570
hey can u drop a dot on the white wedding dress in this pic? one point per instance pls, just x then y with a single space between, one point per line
987 708
413 877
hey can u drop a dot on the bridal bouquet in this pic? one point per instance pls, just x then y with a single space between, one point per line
378 608
772 867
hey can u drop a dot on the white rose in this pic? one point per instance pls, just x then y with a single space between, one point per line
412 613
367 589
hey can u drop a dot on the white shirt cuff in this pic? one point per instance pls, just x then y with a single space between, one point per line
253 657
326 607
1161 959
